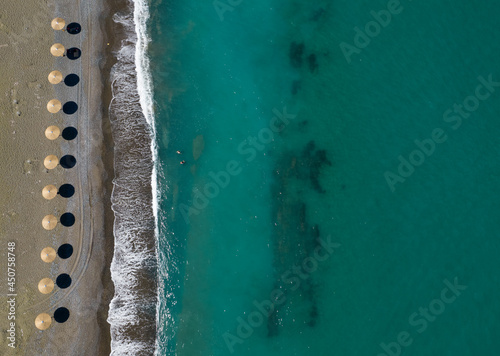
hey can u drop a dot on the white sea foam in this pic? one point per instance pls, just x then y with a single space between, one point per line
135 258
145 89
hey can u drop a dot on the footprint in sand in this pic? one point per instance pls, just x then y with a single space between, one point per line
36 87
4 28
29 165
9 215
14 102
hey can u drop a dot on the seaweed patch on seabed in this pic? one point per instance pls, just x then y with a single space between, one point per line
295 237
296 53
296 85
318 14
313 63
310 165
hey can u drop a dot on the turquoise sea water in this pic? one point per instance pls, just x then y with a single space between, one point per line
246 218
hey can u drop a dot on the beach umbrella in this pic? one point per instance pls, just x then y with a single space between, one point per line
58 23
57 50
46 285
49 222
55 77
50 162
52 132
54 106
49 192
43 321
48 254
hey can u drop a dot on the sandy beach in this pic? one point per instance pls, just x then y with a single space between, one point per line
25 39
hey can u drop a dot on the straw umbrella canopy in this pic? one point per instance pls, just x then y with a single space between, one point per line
58 23
43 321
49 192
52 132
55 77
57 50
54 106
48 254
49 222
46 285
51 162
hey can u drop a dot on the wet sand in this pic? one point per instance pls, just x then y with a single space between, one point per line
25 40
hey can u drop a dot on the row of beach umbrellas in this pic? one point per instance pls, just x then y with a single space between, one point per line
49 222
54 105
58 49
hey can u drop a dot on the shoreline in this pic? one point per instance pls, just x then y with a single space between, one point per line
107 152
134 266
107 155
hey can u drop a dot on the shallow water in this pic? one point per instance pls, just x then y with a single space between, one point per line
283 192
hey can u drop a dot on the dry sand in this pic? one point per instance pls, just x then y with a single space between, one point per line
25 39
